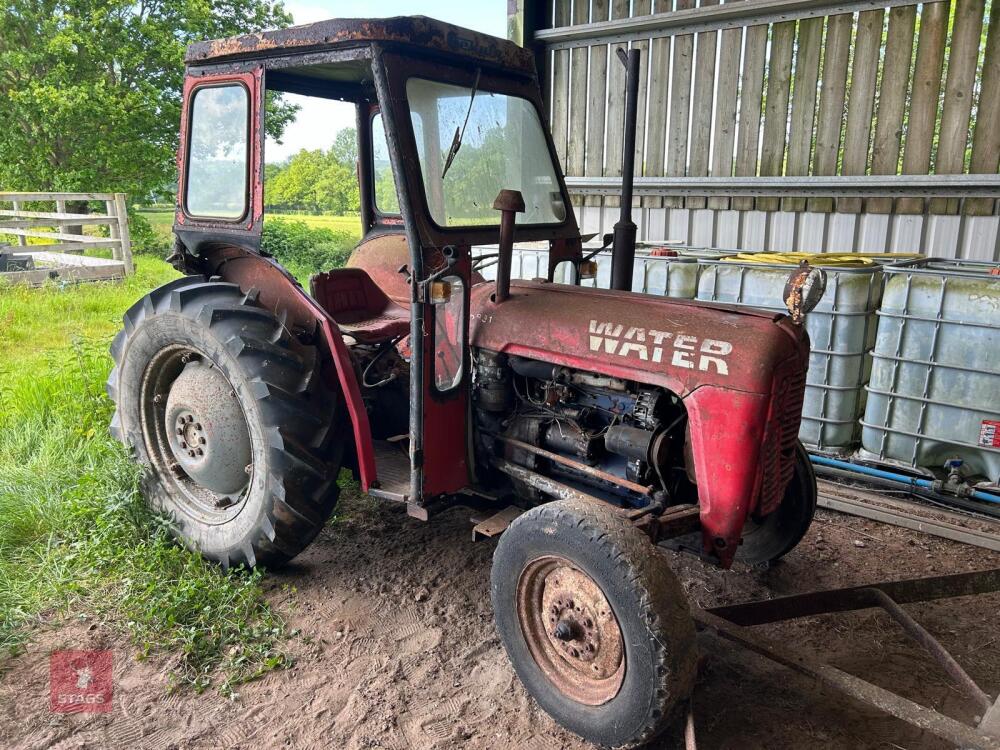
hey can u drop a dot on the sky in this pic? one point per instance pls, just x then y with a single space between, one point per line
318 122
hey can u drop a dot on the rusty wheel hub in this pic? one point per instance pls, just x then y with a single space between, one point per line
570 630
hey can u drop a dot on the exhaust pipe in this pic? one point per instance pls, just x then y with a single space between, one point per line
508 203
623 247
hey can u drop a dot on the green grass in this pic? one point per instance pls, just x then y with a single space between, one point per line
75 537
163 220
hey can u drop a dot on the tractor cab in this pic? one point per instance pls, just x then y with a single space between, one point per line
446 119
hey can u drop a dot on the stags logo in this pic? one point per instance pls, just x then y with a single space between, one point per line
651 345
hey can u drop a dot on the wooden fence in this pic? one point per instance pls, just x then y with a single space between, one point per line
24 215
783 124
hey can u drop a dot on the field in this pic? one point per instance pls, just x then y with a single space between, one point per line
163 220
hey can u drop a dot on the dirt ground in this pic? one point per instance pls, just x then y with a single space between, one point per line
398 651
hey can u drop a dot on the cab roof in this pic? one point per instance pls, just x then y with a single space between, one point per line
415 32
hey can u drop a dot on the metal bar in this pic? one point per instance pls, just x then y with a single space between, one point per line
907 521
857 597
709 18
895 705
918 633
576 465
543 483
957 185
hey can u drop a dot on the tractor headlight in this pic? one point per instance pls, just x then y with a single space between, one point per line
803 291
440 292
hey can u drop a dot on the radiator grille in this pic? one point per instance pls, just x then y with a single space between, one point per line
778 462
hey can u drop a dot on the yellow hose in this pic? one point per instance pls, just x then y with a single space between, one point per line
846 260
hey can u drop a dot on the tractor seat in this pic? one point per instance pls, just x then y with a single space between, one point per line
358 306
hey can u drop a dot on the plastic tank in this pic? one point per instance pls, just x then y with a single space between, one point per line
935 382
841 330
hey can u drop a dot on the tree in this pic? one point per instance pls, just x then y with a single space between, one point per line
317 181
90 90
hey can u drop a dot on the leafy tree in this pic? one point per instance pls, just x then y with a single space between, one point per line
90 90
316 181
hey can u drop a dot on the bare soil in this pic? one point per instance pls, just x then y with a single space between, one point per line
397 650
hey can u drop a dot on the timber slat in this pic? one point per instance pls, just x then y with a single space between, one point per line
725 109
641 8
656 137
616 103
680 106
701 105
560 85
597 98
861 100
576 147
924 100
779 81
892 98
803 104
986 139
833 94
752 90
963 56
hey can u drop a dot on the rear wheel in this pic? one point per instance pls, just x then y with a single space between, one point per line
594 622
776 534
228 414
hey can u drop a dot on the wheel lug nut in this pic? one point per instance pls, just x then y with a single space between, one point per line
184 445
158 398
201 440
249 468
191 454
200 452
197 425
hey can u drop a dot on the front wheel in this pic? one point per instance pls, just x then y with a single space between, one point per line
594 622
229 417
768 538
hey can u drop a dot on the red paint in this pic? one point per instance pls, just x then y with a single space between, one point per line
734 423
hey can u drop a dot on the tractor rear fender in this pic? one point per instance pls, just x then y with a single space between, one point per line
282 294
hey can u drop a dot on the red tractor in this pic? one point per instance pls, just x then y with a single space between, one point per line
617 420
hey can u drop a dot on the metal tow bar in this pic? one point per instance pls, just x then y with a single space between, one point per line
732 623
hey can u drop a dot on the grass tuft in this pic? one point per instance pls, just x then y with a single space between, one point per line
75 535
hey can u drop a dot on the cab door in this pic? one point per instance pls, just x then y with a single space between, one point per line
220 171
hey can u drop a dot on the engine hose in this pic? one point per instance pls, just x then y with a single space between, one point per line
892 476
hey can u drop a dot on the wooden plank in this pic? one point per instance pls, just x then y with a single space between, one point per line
21 241
751 93
66 273
641 8
559 102
616 104
830 118
64 259
701 106
779 80
986 139
656 134
597 100
861 100
82 239
25 197
800 137
124 250
57 217
680 106
725 109
892 98
963 55
575 149
924 99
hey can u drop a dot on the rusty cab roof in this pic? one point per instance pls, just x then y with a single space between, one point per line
418 33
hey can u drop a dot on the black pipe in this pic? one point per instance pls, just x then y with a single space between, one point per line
623 246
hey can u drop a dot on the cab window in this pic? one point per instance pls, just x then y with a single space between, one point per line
216 185
386 200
